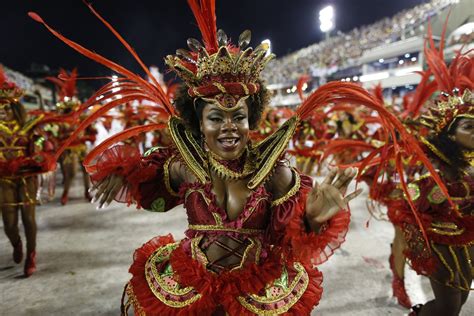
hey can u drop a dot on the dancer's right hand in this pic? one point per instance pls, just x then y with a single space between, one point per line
107 189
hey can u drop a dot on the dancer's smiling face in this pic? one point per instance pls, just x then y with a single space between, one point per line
225 133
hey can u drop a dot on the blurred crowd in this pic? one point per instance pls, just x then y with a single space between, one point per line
343 49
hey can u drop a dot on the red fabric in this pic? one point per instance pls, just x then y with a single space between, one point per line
148 302
143 175
307 247
25 166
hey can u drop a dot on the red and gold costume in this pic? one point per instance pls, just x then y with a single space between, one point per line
76 150
449 223
23 155
277 253
23 148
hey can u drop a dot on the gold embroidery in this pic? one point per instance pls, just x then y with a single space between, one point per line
30 124
446 229
436 196
458 267
226 173
220 87
301 275
166 176
196 251
184 143
226 229
218 219
246 253
132 300
160 255
444 225
435 150
445 263
273 146
246 89
291 192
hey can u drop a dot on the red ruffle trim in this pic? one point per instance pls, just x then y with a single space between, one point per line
149 303
143 176
250 279
291 234
26 166
119 160
304 306
310 247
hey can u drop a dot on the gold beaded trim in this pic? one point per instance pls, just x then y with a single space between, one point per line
225 173
166 176
246 254
302 274
132 300
183 144
272 147
30 124
291 192
445 263
435 150
226 229
158 257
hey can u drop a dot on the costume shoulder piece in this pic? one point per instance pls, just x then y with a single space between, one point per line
268 151
31 124
264 154
192 154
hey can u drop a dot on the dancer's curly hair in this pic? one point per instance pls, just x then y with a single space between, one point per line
192 116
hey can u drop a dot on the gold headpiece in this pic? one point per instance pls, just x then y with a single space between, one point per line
226 74
217 69
9 91
445 112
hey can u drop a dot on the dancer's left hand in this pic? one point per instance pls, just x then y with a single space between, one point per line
327 199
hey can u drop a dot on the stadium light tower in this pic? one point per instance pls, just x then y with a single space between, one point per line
269 43
326 20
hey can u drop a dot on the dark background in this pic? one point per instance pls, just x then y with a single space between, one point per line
156 28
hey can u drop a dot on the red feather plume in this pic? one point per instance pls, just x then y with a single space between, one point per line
205 14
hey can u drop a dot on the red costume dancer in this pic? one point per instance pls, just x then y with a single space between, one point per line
447 259
77 150
257 229
21 159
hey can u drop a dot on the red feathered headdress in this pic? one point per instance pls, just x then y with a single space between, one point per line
218 70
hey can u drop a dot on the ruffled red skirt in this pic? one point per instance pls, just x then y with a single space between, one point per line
168 281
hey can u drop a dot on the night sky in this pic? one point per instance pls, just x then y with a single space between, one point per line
156 28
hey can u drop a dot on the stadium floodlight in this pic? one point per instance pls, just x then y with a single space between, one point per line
326 19
269 43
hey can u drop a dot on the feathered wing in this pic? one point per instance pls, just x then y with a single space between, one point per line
127 88
398 142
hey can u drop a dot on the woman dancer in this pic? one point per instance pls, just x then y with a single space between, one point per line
20 162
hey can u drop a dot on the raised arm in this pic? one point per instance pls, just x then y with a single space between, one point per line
310 222
150 181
